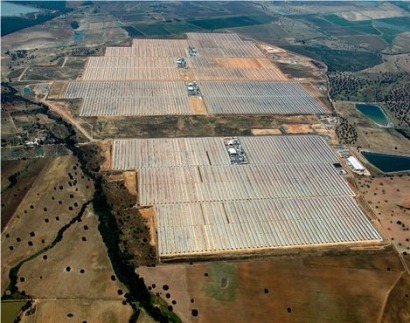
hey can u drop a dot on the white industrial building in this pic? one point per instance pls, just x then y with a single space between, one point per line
355 164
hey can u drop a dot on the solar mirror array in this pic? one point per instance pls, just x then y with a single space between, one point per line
288 195
209 58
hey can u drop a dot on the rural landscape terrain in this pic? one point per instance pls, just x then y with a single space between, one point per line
201 161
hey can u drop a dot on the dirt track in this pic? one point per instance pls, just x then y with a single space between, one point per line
57 107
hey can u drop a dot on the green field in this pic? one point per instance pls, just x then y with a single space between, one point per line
388 34
339 60
132 31
221 282
152 30
267 32
10 310
231 22
364 26
403 23
162 29
181 28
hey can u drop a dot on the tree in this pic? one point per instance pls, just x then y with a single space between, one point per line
74 24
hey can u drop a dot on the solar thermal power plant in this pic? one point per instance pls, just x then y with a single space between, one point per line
287 195
221 58
130 68
128 98
257 98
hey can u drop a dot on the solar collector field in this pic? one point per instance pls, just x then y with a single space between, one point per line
216 227
220 57
126 98
157 52
238 182
289 195
173 152
257 98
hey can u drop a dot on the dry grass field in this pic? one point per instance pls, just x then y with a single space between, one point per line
105 151
398 303
289 289
55 197
262 132
77 267
13 194
243 62
298 128
198 105
371 136
74 279
189 126
79 310
389 199
57 90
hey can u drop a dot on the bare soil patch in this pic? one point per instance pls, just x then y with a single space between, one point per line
261 132
149 215
239 62
198 105
321 129
105 149
298 128
130 182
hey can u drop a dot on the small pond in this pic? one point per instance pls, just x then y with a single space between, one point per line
374 113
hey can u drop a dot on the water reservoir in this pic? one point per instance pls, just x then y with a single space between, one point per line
9 9
374 113
387 162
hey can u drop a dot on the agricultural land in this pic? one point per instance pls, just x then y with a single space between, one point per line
202 161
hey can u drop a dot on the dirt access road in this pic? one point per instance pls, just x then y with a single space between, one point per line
55 107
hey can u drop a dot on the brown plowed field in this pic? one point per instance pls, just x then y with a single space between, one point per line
310 289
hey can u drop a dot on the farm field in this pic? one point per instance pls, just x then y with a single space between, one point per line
283 289
285 176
